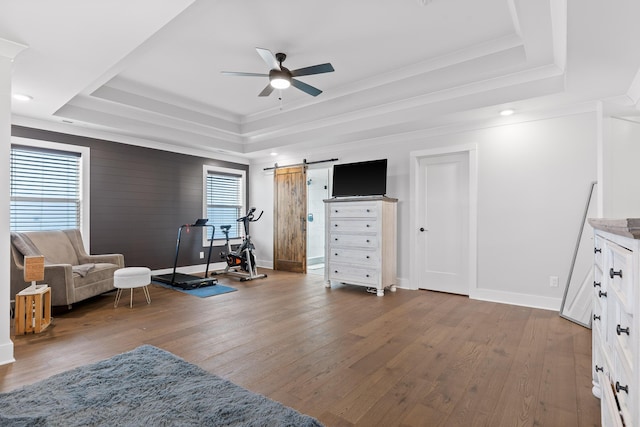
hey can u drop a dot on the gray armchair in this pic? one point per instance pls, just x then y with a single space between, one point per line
71 273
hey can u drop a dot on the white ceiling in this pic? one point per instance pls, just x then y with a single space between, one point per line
148 72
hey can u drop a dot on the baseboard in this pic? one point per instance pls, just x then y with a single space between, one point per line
315 260
6 353
191 269
524 300
403 283
264 264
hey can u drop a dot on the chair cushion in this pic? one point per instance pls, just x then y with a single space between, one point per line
55 246
24 245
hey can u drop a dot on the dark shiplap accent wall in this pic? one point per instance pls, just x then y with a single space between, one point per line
139 198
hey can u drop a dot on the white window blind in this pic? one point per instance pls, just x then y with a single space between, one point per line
224 199
45 189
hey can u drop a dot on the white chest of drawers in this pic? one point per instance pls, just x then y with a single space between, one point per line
616 321
361 246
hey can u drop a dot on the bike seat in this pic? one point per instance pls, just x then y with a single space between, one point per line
225 227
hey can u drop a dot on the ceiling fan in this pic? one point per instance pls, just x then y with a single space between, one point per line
281 77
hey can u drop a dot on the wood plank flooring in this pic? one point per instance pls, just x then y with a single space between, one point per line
344 356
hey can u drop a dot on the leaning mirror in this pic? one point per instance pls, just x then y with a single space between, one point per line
576 302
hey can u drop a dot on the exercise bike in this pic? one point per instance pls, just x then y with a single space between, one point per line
241 262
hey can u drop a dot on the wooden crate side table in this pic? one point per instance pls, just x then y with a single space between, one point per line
33 310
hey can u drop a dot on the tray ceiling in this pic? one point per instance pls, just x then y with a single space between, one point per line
148 71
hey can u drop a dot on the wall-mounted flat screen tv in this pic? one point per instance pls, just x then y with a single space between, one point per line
360 179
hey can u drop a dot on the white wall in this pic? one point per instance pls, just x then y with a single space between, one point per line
533 180
8 51
621 174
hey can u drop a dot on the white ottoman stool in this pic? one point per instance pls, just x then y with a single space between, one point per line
130 278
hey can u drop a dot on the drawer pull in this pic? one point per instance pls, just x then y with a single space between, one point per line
368 226
615 273
335 271
366 275
336 239
596 317
335 225
624 388
368 240
336 254
595 250
368 210
599 368
602 294
368 257
596 284
621 331
336 211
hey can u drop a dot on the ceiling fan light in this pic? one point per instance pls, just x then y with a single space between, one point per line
280 79
280 83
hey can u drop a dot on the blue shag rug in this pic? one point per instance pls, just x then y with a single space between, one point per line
147 386
204 292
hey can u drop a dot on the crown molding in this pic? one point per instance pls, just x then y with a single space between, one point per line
10 49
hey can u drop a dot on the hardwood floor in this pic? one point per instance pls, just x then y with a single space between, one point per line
344 356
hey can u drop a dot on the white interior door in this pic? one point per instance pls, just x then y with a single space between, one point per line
443 223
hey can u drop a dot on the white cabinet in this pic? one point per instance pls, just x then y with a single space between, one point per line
616 321
361 246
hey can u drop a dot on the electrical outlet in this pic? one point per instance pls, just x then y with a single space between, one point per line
201 255
553 281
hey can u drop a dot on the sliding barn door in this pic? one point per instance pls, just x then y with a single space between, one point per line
290 219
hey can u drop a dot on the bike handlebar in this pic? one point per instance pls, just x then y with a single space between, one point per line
249 217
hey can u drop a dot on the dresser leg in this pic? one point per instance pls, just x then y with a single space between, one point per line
380 292
596 390
392 288
327 284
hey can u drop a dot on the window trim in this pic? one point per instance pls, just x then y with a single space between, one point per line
85 178
206 169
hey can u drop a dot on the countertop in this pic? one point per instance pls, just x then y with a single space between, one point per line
628 227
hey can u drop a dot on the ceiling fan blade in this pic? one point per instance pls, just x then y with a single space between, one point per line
266 91
269 58
239 73
305 87
314 69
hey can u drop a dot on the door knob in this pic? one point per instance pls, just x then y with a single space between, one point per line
422 229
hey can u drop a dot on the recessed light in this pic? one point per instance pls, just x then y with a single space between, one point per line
22 97
507 112
273 153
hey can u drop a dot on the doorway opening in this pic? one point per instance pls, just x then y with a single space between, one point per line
317 192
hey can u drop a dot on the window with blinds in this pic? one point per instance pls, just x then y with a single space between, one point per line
224 200
45 189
